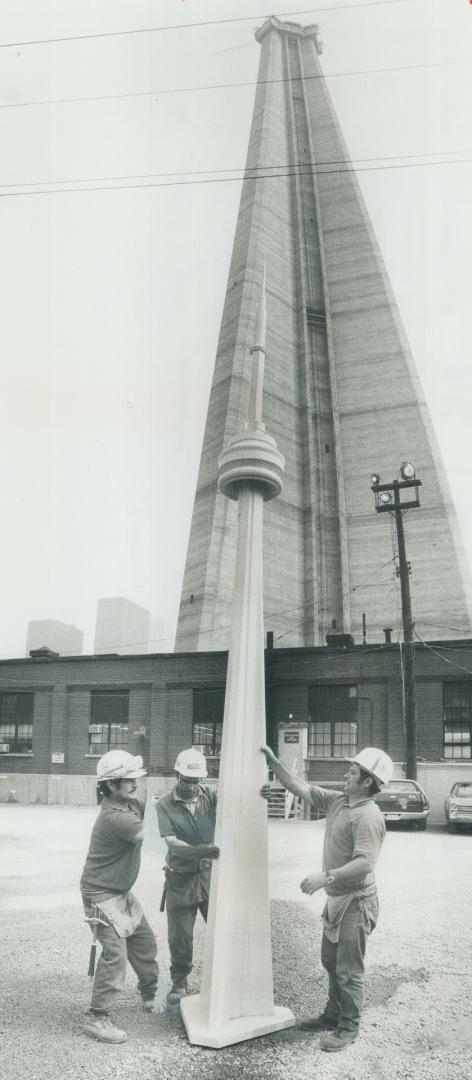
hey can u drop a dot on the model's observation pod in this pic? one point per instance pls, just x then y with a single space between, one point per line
341 395
236 999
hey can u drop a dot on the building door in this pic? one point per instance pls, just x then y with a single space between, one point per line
208 709
293 747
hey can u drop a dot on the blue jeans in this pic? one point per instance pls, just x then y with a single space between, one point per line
140 949
344 962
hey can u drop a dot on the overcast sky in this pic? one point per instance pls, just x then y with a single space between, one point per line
112 298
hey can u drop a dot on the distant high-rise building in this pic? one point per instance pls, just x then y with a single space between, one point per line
121 627
61 637
341 394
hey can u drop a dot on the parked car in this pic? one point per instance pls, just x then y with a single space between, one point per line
458 805
404 801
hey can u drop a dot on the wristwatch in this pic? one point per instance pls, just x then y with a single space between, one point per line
330 878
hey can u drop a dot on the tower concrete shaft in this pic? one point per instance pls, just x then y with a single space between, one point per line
341 395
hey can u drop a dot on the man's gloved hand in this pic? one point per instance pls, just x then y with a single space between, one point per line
208 851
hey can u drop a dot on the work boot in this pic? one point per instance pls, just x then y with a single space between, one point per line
101 1028
177 992
319 1023
338 1040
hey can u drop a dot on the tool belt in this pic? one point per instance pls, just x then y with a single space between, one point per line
189 884
123 913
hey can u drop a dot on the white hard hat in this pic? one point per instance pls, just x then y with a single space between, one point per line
191 763
119 765
376 762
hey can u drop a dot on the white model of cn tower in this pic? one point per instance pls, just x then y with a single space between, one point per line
236 999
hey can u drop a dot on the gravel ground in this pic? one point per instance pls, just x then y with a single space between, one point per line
417 1019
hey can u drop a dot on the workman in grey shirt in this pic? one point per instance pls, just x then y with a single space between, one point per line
110 871
355 830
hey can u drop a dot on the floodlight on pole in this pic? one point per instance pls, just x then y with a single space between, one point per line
407 471
403 492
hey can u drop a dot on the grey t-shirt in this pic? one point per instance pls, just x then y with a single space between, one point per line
350 831
114 856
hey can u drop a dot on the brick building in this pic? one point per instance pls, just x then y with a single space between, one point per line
59 714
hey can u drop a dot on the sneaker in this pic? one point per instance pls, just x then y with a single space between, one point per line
319 1023
148 1004
176 993
338 1040
101 1028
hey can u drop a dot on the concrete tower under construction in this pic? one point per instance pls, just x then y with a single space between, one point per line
341 394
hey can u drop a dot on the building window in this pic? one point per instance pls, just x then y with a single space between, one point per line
332 721
457 720
208 709
108 728
16 723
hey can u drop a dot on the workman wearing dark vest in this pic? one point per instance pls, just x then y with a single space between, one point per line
186 820
355 830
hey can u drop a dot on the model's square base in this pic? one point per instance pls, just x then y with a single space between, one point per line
233 1031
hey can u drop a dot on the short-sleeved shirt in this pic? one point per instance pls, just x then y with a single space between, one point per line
188 880
350 831
114 856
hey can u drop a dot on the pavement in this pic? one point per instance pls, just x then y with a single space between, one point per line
417 1016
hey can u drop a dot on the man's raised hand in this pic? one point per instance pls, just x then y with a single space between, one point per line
269 755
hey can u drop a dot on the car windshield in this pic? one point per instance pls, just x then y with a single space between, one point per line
461 791
401 787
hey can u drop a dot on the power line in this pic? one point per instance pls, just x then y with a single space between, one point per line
316 610
230 179
307 166
193 25
269 615
229 86
443 626
456 648
445 658
319 611
276 614
367 650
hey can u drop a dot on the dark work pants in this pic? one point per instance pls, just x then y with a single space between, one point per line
180 924
344 962
140 949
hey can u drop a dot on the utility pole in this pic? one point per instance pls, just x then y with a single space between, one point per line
396 498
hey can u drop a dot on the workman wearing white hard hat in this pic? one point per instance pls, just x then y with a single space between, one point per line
110 871
186 820
355 830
